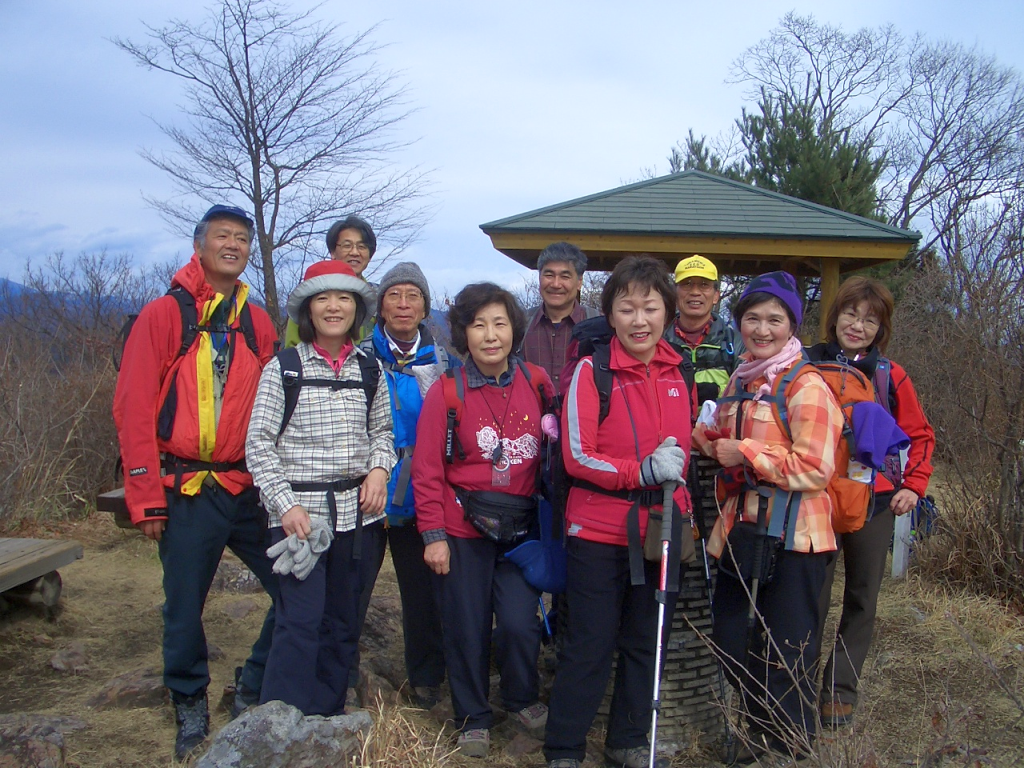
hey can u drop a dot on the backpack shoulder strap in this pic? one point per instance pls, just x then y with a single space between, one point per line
453 387
882 378
369 372
189 318
248 331
686 370
601 360
291 380
780 393
444 363
535 376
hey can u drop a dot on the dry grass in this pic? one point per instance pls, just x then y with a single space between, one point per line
928 697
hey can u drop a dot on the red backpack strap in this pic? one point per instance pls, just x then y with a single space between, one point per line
535 375
453 386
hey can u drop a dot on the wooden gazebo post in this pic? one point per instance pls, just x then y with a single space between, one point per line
829 289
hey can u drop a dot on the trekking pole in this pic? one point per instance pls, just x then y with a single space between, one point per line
661 596
697 498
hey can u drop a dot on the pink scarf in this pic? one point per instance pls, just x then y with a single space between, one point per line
752 370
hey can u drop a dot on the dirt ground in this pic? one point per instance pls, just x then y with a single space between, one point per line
944 684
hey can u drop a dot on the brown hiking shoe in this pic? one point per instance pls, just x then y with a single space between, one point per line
836 713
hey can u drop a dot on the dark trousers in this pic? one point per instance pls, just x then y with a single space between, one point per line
775 678
198 529
370 561
864 552
606 614
317 630
421 619
481 587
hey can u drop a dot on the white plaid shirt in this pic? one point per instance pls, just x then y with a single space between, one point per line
327 439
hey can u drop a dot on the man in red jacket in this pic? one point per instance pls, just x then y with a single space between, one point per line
182 406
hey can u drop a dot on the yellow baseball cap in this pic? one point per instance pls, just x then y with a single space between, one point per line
696 266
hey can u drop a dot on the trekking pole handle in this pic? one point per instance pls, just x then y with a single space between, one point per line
668 490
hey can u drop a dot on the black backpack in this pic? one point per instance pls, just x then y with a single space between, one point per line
293 381
190 328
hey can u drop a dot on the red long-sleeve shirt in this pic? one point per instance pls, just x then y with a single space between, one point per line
511 413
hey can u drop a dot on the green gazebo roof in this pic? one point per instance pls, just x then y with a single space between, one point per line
743 229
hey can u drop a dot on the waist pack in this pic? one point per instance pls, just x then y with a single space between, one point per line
741 559
500 517
652 539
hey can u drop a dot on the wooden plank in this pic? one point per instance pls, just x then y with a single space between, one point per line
709 245
113 502
22 560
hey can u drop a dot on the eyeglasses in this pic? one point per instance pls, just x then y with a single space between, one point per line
348 245
704 286
868 323
409 297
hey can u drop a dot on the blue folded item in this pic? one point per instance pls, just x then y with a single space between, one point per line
876 435
543 561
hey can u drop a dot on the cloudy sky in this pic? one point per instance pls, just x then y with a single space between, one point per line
519 105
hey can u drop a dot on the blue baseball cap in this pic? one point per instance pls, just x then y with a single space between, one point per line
221 212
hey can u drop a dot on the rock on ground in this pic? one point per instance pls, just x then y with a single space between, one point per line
140 688
276 735
34 741
71 659
235 577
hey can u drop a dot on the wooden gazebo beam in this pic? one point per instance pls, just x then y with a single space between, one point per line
733 255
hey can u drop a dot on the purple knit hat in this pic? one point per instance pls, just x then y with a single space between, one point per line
782 286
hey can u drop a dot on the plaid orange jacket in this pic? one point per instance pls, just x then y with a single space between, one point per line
804 464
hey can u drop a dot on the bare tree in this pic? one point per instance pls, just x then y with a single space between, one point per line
291 115
948 121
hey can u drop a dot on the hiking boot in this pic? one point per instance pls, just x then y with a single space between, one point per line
476 742
193 718
245 697
633 757
532 719
836 714
564 762
425 696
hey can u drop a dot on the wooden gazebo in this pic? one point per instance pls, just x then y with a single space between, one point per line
743 229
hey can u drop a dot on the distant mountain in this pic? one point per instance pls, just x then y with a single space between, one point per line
12 289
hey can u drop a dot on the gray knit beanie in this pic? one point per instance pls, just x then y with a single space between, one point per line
404 272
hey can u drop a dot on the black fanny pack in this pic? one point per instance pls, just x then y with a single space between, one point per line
741 558
500 517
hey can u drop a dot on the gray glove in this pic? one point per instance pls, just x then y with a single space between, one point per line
284 552
425 376
664 465
317 542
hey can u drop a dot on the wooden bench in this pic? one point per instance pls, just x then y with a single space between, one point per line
24 561
113 502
